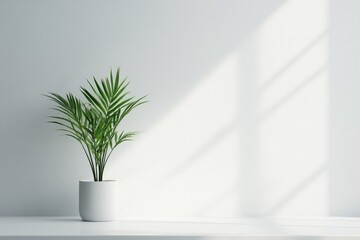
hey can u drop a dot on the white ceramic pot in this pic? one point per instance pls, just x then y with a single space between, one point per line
98 200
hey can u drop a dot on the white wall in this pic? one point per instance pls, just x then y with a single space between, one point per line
254 107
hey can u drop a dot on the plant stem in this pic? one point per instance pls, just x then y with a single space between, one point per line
96 173
88 155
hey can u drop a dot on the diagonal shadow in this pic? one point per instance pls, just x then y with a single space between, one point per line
226 130
280 204
307 49
292 93
195 156
218 199
296 190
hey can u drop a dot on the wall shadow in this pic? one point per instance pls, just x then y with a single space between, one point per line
344 129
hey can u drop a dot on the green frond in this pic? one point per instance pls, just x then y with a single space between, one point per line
94 122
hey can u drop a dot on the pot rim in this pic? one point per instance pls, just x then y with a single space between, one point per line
92 181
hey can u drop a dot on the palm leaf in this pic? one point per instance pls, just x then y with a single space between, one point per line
94 123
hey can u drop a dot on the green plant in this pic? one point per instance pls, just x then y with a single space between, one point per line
94 123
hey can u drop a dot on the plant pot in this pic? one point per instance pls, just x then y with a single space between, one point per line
98 200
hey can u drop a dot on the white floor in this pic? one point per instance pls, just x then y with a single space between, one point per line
244 228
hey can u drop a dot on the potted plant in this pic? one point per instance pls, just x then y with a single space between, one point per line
94 124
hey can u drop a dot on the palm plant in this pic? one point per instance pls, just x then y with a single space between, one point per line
94 123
